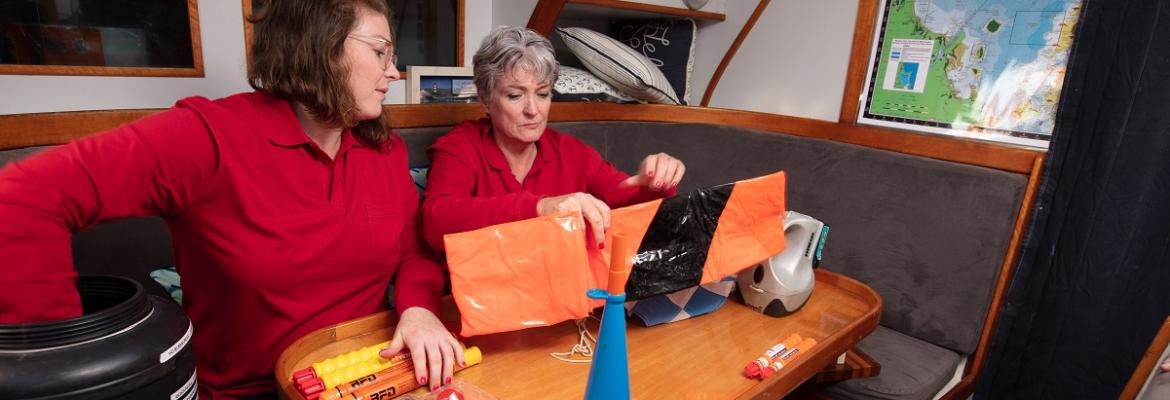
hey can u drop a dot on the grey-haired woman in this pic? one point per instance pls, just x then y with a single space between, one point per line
511 166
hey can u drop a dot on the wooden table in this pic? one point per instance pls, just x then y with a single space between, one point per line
700 357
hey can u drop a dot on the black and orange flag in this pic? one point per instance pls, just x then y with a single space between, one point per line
535 272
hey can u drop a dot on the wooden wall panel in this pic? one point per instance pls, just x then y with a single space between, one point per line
858 60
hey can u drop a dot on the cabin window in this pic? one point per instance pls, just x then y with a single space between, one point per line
100 37
422 29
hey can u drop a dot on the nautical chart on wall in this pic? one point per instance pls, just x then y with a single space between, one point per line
989 70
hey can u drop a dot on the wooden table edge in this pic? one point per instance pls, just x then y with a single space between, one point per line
773 387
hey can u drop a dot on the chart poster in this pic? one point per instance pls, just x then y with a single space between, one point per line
990 70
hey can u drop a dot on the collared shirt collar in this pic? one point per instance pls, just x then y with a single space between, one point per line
546 152
286 130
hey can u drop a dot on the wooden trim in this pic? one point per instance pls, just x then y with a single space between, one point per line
427 115
247 9
544 16
196 36
1007 270
53 128
26 130
743 32
196 69
461 16
858 60
966 386
1149 361
653 8
100 71
858 364
990 155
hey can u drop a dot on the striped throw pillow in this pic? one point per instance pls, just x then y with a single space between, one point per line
619 65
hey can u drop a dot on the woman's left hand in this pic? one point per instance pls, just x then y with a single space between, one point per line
432 348
658 172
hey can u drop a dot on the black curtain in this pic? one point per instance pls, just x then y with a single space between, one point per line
1092 284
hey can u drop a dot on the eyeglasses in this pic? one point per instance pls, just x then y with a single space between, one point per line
385 52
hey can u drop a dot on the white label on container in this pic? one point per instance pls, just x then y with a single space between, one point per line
188 391
178 346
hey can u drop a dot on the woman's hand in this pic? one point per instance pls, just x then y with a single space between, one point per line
658 172
432 348
595 211
1166 365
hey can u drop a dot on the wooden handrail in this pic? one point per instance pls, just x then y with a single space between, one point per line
17 131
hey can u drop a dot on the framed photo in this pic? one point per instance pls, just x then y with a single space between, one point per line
102 38
991 73
440 85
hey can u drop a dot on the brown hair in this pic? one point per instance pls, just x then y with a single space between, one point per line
297 56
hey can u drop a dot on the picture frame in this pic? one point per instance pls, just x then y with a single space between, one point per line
997 76
130 38
425 85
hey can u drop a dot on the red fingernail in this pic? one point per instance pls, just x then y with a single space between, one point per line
422 381
601 246
463 364
447 381
649 173
434 387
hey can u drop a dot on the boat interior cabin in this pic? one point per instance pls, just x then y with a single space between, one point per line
875 199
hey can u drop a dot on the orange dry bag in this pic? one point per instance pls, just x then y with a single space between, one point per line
535 272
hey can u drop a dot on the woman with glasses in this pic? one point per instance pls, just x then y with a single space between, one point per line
511 166
290 207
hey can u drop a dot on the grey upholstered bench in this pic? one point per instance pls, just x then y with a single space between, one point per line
931 236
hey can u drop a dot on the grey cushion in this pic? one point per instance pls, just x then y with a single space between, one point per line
417 140
1158 388
7 156
911 369
929 236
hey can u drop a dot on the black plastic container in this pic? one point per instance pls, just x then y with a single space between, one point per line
126 345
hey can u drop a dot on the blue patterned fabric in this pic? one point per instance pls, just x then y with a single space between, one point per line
683 304
168 278
419 174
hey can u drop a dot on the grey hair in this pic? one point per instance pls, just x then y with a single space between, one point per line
509 47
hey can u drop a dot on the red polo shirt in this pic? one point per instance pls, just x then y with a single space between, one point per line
272 238
470 185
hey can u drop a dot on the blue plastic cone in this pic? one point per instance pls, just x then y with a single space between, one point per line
609 376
